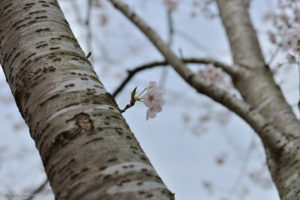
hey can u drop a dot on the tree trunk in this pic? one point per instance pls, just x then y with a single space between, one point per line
258 89
86 146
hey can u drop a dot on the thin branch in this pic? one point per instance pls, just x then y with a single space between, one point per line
88 28
226 68
170 27
164 73
132 102
37 190
194 42
242 170
268 134
273 55
76 11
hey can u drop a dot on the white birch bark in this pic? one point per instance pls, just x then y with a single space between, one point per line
260 91
86 146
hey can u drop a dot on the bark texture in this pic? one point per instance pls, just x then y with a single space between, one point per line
261 92
86 146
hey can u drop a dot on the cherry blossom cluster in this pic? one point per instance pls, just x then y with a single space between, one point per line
285 31
291 43
153 99
215 75
292 40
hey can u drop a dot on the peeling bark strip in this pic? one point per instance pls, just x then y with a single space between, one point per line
86 146
261 92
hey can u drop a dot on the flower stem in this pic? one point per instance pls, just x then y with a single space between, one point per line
132 102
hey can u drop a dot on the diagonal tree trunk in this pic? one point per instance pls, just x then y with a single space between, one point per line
263 106
86 146
260 91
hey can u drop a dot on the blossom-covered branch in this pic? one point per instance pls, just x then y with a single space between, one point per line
230 70
266 131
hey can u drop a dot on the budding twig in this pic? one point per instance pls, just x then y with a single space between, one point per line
132 102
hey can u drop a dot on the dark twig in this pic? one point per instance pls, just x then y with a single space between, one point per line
132 102
37 190
133 99
228 69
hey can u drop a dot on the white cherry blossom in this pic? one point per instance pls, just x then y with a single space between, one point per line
153 99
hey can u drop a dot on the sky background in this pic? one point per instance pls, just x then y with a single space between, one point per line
218 159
